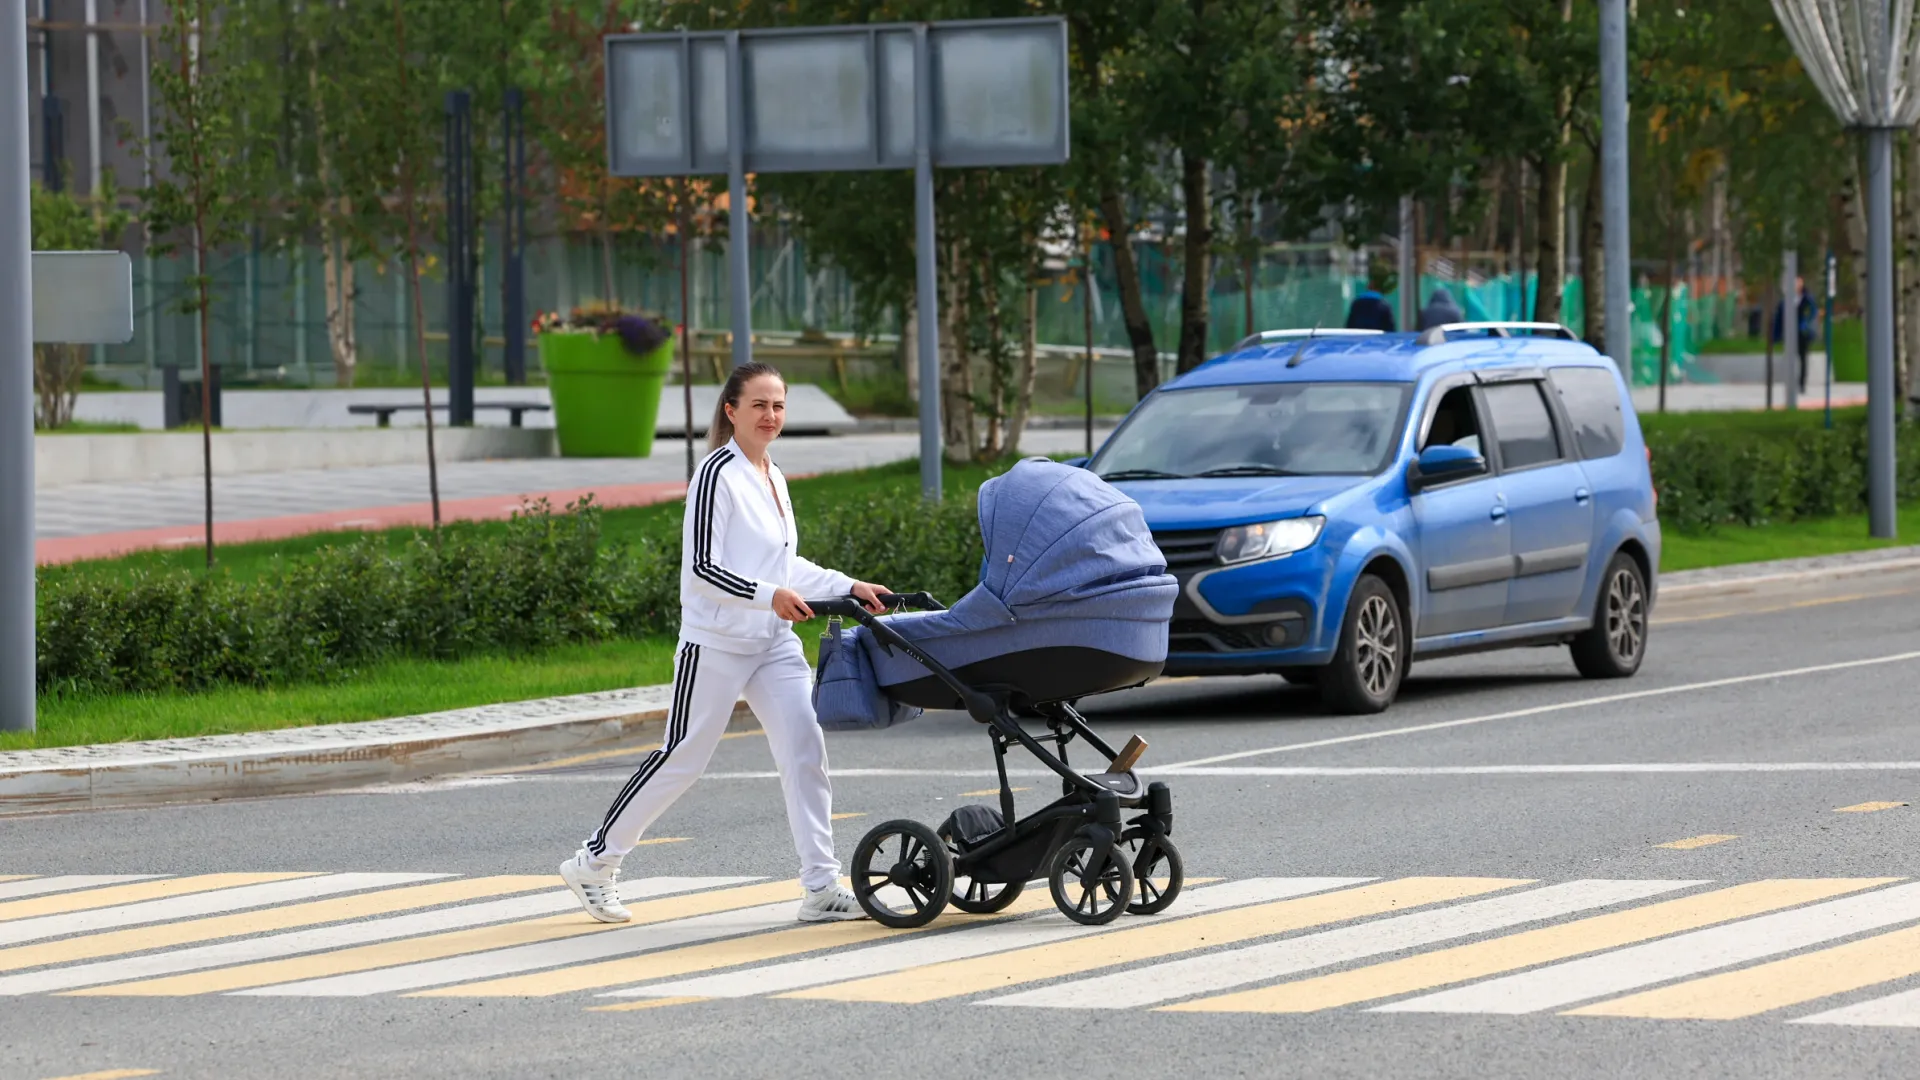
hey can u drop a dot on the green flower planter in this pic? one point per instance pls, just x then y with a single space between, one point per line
605 400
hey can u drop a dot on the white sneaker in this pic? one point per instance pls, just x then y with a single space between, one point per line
597 888
835 903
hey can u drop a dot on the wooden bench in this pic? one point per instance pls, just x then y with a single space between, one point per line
383 414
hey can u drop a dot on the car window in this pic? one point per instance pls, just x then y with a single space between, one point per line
1259 429
1522 424
1591 397
1455 422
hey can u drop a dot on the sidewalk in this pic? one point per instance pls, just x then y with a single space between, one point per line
513 734
81 521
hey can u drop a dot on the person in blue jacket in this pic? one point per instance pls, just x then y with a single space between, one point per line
1370 310
1805 315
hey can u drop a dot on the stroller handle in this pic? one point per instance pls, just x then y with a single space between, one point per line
848 607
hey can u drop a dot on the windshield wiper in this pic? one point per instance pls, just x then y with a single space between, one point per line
1141 474
1247 470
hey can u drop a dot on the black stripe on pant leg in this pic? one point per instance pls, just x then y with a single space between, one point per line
676 733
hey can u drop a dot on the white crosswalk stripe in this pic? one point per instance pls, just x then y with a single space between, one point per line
1789 950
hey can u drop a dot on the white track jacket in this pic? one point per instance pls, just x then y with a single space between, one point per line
737 546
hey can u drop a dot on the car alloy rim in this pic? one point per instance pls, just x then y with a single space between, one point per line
1377 637
1626 616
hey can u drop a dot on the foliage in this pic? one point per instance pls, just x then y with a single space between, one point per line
639 334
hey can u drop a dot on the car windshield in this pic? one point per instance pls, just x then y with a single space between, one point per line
1262 429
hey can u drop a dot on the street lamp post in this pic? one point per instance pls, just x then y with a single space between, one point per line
1864 56
16 382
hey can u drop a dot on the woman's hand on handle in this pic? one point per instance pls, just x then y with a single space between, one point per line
869 594
788 605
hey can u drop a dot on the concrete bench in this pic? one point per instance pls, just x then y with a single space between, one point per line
383 414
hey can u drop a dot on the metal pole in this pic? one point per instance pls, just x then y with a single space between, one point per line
926 276
1086 316
739 246
1833 275
16 383
686 325
1613 176
93 99
1880 468
1409 272
513 284
1790 326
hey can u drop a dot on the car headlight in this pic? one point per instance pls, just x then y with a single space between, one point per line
1269 539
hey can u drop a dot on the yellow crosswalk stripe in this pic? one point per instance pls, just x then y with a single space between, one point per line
113 895
729 952
111 1074
437 946
142 938
14 877
1796 979
975 974
1463 963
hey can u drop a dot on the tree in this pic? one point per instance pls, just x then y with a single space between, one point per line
208 190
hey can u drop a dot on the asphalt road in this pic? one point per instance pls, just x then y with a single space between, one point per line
1511 816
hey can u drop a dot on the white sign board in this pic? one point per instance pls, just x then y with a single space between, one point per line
82 298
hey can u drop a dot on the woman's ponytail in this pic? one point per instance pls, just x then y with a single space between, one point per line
721 428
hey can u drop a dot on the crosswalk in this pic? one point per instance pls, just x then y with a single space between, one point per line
1828 951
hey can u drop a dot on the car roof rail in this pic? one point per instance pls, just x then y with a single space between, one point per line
1437 335
1265 336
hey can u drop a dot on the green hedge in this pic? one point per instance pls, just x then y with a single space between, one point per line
549 580
1721 477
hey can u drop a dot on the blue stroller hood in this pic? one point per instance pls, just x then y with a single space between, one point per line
1072 585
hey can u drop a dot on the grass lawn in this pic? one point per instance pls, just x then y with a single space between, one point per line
1755 422
87 427
1731 544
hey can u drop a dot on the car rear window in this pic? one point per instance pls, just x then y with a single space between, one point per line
1591 397
1522 424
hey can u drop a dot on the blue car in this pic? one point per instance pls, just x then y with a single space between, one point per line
1339 505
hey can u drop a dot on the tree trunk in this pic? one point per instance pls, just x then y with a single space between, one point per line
1909 274
1197 273
1856 218
956 385
1133 309
1593 268
336 273
1666 310
412 210
990 447
1550 230
1029 371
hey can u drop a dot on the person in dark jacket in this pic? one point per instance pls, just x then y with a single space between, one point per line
1370 310
1440 310
1806 313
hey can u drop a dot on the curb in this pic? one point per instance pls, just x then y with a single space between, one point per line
304 760
329 757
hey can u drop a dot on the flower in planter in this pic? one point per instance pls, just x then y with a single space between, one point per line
639 335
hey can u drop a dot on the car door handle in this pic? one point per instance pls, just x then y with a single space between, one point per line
1582 495
1498 513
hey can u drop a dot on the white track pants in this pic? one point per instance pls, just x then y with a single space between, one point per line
778 686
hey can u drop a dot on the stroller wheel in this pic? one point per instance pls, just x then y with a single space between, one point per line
1088 888
1158 872
902 874
984 897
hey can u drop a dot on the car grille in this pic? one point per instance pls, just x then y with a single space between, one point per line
1198 635
1186 550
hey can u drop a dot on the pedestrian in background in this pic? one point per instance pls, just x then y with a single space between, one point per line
1440 310
1806 313
1370 310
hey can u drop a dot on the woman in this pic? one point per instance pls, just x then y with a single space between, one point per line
741 586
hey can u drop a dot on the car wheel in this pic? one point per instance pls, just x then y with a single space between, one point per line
1614 645
1302 676
1372 658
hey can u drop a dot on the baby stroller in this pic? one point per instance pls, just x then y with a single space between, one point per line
1074 599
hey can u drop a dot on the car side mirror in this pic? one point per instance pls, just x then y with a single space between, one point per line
1077 462
1440 464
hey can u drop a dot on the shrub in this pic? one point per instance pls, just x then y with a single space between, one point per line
1707 479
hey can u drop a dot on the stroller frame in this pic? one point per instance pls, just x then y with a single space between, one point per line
1095 860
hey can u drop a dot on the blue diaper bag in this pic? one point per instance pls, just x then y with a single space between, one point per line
846 693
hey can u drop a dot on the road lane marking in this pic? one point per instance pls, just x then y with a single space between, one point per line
1795 980
1465 963
1579 769
958 978
598 755
1776 609
303 969
1541 710
1214 972
731 952
1696 953
1867 807
977 941
1703 840
16 887
115 895
846 816
364 905
662 840
1894 1010
232 897
253 950
496 963
111 1074
984 792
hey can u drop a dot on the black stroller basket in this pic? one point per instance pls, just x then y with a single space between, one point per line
1097 862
